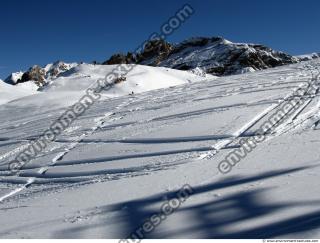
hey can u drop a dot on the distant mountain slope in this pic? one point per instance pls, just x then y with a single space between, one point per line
201 55
139 79
9 92
40 74
215 55
68 86
308 57
14 77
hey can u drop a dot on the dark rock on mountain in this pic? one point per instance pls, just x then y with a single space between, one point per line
215 55
56 68
154 52
13 78
36 73
221 57
121 59
40 75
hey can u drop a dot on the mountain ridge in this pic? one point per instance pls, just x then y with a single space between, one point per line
211 55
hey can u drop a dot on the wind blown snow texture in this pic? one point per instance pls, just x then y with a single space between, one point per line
140 148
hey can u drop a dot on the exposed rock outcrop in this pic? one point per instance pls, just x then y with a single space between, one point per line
40 75
36 74
121 59
215 55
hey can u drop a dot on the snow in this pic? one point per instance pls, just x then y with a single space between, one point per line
13 78
308 57
52 70
140 79
120 161
59 67
9 92
70 86
246 70
223 57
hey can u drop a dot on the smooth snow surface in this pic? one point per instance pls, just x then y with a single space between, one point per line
125 156
9 92
139 79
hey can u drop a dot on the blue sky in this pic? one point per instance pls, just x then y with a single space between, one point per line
40 32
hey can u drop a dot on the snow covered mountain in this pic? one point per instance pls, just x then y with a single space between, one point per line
117 164
67 82
139 79
308 57
40 74
201 56
157 130
216 56
14 77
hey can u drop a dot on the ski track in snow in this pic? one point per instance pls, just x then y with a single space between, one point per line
206 152
241 132
41 171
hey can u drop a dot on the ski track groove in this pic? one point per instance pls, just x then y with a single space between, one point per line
241 132
60 156
214 149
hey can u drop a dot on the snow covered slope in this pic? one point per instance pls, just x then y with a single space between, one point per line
119 162
9 92
70 85
140 79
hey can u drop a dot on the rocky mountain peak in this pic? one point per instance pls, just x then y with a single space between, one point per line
214 55
40 74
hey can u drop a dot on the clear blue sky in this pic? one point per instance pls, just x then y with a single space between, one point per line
40 32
